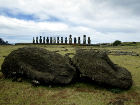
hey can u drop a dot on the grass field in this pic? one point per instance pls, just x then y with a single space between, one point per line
15 93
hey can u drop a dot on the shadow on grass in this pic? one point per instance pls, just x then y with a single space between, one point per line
83 84
88 83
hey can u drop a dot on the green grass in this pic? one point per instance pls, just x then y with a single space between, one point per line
15 93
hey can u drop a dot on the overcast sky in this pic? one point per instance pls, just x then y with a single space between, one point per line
103 20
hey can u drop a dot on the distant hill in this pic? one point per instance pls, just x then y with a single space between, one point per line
3 42
130 44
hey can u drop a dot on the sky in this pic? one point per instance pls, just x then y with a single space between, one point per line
104 21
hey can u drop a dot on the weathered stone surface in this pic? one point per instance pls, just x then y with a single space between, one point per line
97 66
40 65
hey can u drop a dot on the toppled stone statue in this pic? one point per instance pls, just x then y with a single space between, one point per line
39 65
97 66
47 67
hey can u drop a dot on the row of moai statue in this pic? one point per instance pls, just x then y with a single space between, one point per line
52 40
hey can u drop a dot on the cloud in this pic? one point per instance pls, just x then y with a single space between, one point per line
30 25
103 21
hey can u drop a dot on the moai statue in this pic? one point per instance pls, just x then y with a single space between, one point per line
40 40
54 40
65 40
84 39
57 40
75 40
36 39
33 40
79 40
61 39
50 40
47 40
70 39
43 39
89 41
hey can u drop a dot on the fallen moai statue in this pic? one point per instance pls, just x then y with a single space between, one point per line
47 67
39 65
97 66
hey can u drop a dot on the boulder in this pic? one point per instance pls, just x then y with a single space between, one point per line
38 64
97 66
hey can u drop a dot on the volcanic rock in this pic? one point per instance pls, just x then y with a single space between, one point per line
2 42
97 66
40 65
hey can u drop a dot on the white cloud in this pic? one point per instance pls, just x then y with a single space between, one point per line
103 21
11 23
